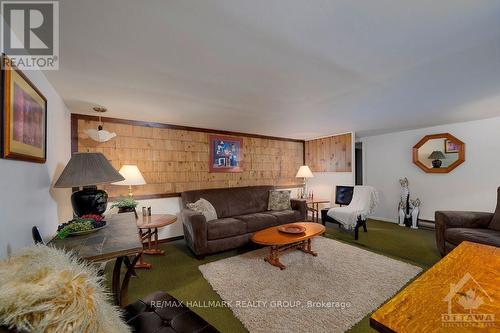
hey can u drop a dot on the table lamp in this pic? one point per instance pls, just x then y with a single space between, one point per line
87 170
436 156
133 177
304 172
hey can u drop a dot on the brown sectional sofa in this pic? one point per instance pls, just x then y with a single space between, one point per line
454 227
241 211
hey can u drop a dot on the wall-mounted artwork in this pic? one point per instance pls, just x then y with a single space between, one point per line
24 115
451 147
225 154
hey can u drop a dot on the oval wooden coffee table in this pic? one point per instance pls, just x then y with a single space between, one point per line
279 241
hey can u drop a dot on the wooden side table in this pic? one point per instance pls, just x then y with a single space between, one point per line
148 229
315 207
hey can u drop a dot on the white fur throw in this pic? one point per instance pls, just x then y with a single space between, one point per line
47 290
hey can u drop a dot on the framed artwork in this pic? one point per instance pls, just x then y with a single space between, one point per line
24 118
451 147
225 154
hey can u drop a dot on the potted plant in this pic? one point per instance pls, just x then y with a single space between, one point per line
125 205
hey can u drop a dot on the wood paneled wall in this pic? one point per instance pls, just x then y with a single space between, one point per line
173 159
333 153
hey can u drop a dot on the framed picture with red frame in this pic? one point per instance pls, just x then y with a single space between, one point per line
225 153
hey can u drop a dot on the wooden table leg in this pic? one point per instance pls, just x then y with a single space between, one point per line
119 286
128 265
115 282
314 212
142 264
154 250
273 257
317 212
126 279
306 247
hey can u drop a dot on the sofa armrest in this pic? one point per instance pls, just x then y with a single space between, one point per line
301 206
195 230
458 219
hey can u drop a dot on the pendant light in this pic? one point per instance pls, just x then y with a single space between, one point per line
99 134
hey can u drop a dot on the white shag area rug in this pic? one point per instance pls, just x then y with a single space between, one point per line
327 293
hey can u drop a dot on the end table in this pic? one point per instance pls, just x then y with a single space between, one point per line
315 207
148 229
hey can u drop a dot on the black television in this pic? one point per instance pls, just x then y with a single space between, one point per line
343 195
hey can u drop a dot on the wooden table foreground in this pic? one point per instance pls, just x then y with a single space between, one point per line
118 241
461 293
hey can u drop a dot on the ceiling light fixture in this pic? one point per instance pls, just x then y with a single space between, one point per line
99 134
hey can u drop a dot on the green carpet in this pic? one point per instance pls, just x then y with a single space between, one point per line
177 272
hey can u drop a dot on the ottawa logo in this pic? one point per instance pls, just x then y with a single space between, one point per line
467 304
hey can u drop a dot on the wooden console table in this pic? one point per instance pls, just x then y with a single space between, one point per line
117 241
148 229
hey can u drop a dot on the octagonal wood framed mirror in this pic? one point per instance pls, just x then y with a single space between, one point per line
439 153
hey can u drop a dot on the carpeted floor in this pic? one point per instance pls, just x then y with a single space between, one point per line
327 293
177 272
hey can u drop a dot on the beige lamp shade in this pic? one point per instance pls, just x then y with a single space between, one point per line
304 172
87 169
132 176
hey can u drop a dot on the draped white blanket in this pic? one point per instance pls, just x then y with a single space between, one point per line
364 200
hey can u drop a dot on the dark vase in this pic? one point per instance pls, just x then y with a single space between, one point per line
436 163
89 200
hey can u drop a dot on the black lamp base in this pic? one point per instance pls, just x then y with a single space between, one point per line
89 200
436 163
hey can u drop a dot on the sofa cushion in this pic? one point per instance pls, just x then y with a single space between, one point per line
483 236
222 228
286 216
279 200
258 221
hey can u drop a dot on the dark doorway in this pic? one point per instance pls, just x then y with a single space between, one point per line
359 163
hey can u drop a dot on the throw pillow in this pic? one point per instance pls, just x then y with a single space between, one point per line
48 290
279 200
204 207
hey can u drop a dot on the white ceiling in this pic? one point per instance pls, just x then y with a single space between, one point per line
294 68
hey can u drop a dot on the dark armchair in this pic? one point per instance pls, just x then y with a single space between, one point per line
454 227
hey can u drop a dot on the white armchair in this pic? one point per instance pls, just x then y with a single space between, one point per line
353 216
